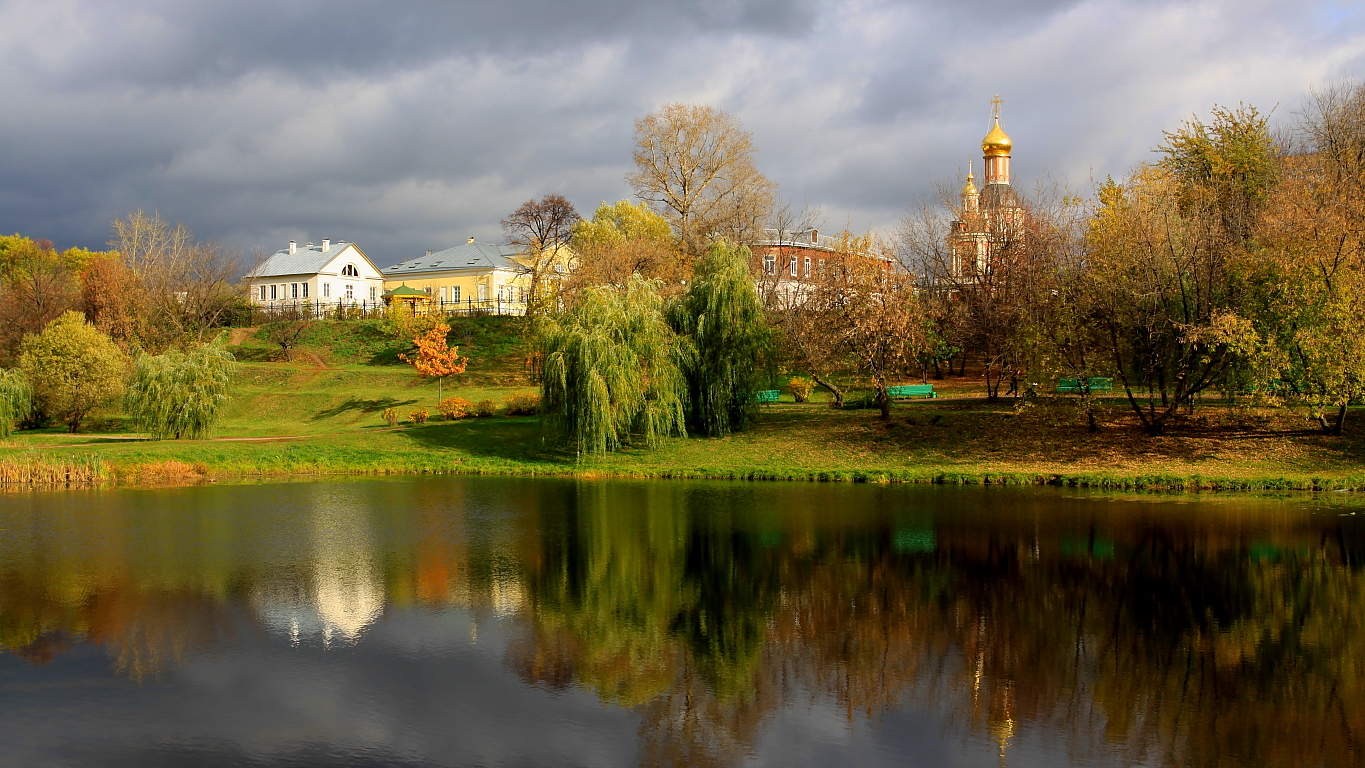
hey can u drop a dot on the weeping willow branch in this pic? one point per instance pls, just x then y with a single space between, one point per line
179 394
612 372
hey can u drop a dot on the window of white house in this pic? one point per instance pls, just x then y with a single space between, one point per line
769 264
350 292
326 290
792 264
305 290
806 266
262 293
293 290
373 294
350 271
272 292
455 293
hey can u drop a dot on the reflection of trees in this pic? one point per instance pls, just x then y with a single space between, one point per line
1173 646
1204 639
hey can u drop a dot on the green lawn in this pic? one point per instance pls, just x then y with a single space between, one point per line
322 413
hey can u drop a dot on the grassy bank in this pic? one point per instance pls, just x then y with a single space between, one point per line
932 442
321 413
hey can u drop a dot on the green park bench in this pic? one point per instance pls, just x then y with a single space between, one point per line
1095 384
767 395
907 391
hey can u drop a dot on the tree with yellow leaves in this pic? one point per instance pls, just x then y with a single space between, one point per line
435 358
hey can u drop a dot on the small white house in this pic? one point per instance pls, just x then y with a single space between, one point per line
327 273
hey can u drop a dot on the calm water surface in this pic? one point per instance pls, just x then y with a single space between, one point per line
534 622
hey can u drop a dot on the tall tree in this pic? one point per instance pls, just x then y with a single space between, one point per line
37 284
1314 236
1169 255
695 164
185 286
73 367
875 312
543 227
613 371
624 239
723 316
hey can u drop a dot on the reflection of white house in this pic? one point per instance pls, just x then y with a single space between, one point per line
327 273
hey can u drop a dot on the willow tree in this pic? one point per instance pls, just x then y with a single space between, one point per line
612 372
724 318
179 394
16 400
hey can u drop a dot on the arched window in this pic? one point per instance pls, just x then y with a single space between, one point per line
350 271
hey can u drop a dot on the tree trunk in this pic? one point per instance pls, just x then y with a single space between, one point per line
884 403
835 392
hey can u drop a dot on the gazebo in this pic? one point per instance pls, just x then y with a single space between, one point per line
411 297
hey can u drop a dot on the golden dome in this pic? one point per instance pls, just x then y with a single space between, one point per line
969 188
997 143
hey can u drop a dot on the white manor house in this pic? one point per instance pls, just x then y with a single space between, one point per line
330 272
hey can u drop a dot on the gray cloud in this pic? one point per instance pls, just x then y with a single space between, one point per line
411 125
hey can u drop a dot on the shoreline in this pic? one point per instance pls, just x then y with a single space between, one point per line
47 472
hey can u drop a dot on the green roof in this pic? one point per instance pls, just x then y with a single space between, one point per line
403 290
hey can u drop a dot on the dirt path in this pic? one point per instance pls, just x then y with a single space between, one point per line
106 439
239 335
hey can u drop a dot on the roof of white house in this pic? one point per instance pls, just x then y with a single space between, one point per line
306 259
465 256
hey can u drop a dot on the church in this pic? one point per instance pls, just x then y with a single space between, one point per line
989 218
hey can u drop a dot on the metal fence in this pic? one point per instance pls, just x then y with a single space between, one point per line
356 310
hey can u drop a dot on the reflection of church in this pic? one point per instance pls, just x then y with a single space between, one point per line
989 217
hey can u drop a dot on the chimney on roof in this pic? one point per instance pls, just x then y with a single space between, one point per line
470 241
293 246
326 243
814 236
428 253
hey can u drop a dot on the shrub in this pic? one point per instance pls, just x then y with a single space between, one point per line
455 407
801 388
523 404
391 416
73 367
486 408
16 400
179 394
419 416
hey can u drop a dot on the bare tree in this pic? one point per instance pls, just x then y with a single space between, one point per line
695 164
186 285
543 227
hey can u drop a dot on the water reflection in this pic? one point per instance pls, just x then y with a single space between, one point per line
459 621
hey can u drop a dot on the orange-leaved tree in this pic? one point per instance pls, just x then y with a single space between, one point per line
435 357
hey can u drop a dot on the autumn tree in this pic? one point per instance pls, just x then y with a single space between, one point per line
695 164
1169 254
875 313
37 284
722 316
543 227
73 367
184 286
1313 232
613 370
435 358
623 239
179 394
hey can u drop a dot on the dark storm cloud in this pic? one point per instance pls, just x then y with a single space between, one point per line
410 125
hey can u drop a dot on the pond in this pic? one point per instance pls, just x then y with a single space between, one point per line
475 621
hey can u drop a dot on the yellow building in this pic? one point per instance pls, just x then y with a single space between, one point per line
471 277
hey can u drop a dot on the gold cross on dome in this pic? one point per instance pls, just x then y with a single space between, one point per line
995 106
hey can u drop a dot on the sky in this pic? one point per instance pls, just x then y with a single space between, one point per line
410 125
